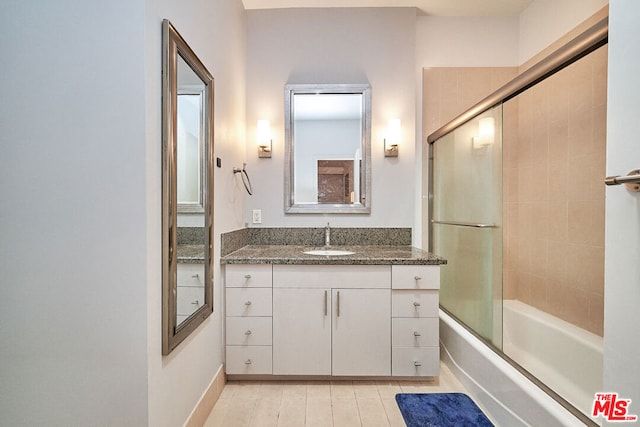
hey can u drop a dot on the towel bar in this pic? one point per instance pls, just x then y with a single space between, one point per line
631 181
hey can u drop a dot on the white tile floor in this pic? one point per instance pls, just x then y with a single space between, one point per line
320 403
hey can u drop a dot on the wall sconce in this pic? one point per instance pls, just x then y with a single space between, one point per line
486 132
263 138
392 141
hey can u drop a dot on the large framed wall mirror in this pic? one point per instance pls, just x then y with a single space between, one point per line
327 148
187 189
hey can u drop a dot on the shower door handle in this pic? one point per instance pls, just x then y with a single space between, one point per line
631 181
464 224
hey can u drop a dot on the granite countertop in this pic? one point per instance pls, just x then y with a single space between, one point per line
363 255
190 254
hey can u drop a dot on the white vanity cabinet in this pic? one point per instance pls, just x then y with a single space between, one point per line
331 320
248 319
302 331
414 307
189 290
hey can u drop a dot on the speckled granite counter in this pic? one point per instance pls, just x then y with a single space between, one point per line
363 255
190 254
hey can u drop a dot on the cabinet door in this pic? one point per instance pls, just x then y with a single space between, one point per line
361 332
301 331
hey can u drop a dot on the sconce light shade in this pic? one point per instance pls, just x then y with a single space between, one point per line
392 141
486 127
486 132
263 138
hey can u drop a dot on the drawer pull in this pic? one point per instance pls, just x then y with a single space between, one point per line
416 334
195 276
416 304
248 362
195 302
325 303
247 276
417 278
248 332
248 303
417 364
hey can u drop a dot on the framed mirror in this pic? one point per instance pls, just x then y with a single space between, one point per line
327 148
187 187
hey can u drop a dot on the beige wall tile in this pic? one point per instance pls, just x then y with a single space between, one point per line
558 142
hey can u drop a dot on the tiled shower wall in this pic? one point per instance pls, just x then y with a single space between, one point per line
554 166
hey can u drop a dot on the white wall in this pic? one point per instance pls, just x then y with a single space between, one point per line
80 168
342 45
545 21
216 33
449 41
622 244
73 251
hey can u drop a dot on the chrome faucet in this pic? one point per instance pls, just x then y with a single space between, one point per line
327 235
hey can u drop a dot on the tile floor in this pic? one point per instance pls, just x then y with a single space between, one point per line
320 403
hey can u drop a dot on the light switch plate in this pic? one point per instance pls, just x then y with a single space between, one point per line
257 216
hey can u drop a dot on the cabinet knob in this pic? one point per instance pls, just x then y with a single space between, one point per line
416 304
248 362
247 276
416 334
417 278
248 332
417 364
248 303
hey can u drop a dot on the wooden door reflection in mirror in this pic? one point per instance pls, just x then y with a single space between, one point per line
335 181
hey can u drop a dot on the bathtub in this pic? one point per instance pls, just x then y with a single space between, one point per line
563 356
507 396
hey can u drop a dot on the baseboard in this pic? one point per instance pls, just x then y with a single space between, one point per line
205 405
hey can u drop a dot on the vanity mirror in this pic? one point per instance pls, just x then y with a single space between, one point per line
187 187
327 148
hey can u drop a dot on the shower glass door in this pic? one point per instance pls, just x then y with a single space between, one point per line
466 222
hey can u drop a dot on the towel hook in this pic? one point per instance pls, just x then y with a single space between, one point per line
245 178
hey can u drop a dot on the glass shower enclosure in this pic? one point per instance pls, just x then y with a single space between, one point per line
466 222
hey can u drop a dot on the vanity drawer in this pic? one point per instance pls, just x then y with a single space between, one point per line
189 299
248 276
248 360
336 276
415 361
415 277
405 303
190 275
248 301
414 332
249 331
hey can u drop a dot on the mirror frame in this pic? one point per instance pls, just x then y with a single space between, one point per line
172 46
289 180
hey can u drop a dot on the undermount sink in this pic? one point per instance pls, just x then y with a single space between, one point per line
329 252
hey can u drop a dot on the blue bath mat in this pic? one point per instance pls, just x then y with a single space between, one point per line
440 410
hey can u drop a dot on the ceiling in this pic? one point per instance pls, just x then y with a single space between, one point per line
424 7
